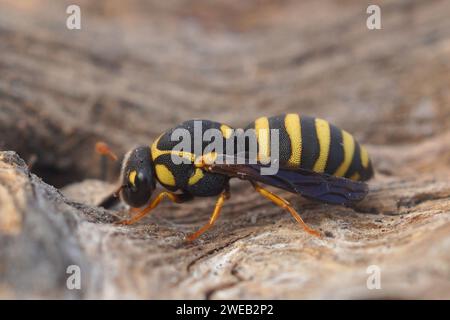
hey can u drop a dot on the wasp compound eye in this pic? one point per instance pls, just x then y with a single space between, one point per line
138 177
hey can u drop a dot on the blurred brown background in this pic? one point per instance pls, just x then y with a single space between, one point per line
137 68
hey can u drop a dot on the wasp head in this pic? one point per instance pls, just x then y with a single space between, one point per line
138 177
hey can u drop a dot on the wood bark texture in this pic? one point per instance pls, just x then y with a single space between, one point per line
137 69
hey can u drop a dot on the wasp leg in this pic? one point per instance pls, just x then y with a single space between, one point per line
219 204
285 205
133 211
177 198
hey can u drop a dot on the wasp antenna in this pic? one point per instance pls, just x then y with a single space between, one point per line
117 192
103 149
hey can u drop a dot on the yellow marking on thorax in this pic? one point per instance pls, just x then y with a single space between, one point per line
263 137
132 177
196 177
364 157
355 176
154 148
156 152
226 131
323 135
164 175
293 129
349 149
207 158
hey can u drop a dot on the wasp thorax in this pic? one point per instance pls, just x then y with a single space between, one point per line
138 178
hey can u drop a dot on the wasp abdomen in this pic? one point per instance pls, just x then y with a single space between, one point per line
312 144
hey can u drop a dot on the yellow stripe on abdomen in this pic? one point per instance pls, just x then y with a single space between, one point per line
348 143
364 157
263 137
355 176
323 135
293 129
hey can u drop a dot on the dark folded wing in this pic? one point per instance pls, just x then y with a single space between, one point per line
318 186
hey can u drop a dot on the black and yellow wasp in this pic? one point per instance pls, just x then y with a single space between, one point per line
316 160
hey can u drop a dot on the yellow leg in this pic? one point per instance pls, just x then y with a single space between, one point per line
219 204
285 205
174 197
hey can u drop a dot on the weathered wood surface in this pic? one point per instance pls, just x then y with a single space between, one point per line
134 71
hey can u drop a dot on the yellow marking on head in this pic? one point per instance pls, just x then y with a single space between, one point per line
364 157
355 176
164 175
323 135
132 177
226 131
349 149
263 137
293 129
198 174
182 154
